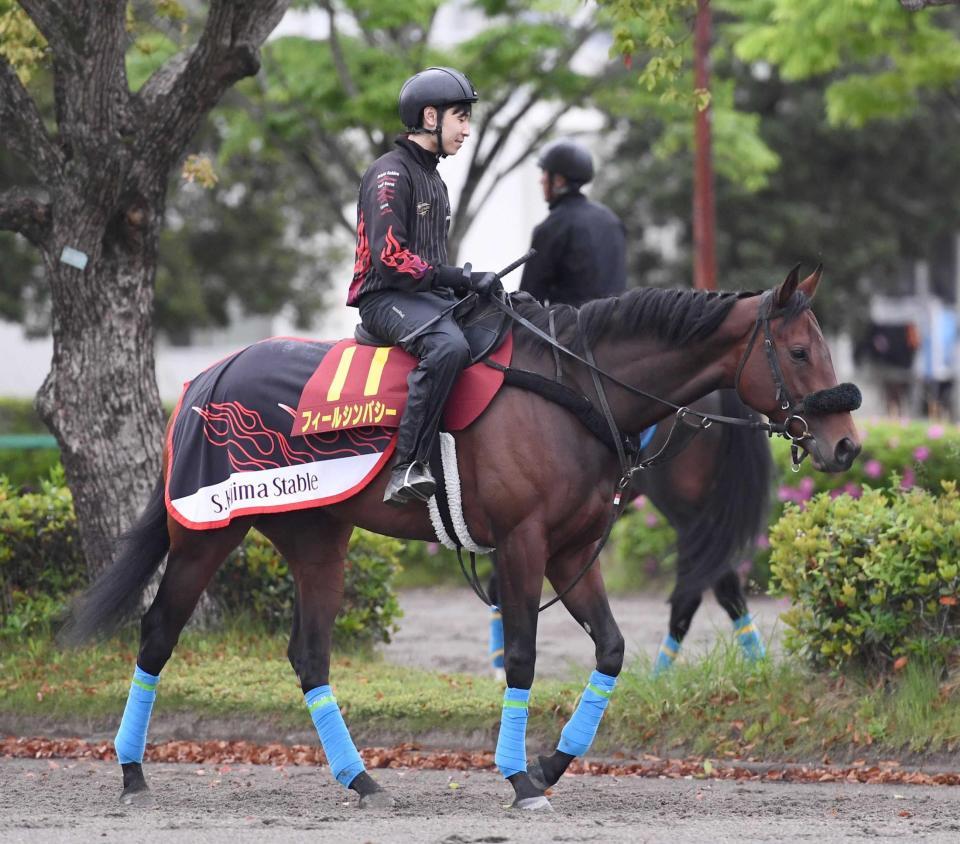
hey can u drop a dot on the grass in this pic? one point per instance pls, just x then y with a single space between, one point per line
717 706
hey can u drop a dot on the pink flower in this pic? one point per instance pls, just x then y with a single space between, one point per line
651 519
908 480
763 541
853 490
836 493
873 469
806 486
786 493
921 453
934 432
640 502
432 548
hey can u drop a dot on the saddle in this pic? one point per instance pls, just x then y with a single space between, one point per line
484 327
363 382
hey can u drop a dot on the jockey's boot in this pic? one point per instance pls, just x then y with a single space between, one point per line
409 482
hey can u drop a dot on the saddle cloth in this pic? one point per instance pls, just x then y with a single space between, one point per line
239 446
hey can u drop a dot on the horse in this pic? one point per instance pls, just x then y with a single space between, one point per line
535 486
715 493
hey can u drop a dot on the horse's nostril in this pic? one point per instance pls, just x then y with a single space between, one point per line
846 451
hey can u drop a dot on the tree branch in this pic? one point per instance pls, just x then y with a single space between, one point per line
339 62
190 84
22 128
917 5
23 213
48 16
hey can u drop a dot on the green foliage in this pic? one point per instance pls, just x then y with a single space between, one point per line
40 557
256 583
41 565
21 44
642 552
873 579
882 60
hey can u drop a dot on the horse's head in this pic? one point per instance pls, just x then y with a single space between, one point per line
786 373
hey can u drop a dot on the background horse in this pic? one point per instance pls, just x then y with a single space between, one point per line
716 496
535 485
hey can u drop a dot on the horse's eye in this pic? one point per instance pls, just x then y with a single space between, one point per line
798 353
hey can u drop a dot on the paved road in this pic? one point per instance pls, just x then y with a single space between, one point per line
446 630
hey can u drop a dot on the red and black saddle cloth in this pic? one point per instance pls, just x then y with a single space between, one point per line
287 424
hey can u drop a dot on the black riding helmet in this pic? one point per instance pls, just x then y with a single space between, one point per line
570 160
436 86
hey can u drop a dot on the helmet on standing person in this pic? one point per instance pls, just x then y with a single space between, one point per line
436 86
568 159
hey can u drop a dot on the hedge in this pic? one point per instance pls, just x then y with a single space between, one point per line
41 566
873 580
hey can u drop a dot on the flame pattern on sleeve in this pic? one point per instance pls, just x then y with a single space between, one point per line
401 259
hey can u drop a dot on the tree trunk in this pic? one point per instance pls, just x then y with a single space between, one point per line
100 398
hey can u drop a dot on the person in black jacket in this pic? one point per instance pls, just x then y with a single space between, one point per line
401 279
581 249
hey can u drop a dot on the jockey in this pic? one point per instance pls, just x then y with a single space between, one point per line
401 278
581 250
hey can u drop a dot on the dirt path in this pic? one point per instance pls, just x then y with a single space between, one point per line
47 801
446 630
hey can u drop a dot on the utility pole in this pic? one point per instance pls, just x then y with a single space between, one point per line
704 214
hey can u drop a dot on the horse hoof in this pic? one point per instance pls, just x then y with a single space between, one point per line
535 772
377 800
533 804
138 797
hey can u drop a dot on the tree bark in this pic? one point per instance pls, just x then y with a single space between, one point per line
105 176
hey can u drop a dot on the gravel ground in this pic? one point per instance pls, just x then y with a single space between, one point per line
49 801
446 630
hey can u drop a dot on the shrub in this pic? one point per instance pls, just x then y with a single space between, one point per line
642 550
41 565
872 580
40 558
256 582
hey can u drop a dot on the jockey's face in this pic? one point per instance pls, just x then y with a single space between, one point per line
456 130
552 185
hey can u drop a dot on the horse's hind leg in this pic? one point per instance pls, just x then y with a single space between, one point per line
683 606
587 603
730 596
193 558
315 546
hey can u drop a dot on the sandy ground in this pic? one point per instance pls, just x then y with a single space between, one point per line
446 630
47 801
64 800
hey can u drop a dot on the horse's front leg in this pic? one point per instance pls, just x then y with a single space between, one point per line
520 567
315 548
587 603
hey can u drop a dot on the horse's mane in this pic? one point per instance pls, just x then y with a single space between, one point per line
677 317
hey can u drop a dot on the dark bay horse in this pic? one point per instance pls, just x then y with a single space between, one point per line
536 486
715 494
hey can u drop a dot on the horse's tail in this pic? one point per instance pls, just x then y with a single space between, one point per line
735 509
115 593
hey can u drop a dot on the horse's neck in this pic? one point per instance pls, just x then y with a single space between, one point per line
678 375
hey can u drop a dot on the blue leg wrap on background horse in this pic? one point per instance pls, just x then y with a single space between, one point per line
131 738
666 655
341 753
749 638
577 735
511 755
496 638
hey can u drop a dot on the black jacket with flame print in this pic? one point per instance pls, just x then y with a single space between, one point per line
403 218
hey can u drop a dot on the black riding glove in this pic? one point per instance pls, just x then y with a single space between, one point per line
462 280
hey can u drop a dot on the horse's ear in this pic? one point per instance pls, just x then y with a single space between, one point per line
809 284
783 293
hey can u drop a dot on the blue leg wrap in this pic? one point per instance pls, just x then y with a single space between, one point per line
496 637
131 738
749 638
666 655
341 753
511 755
577 735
